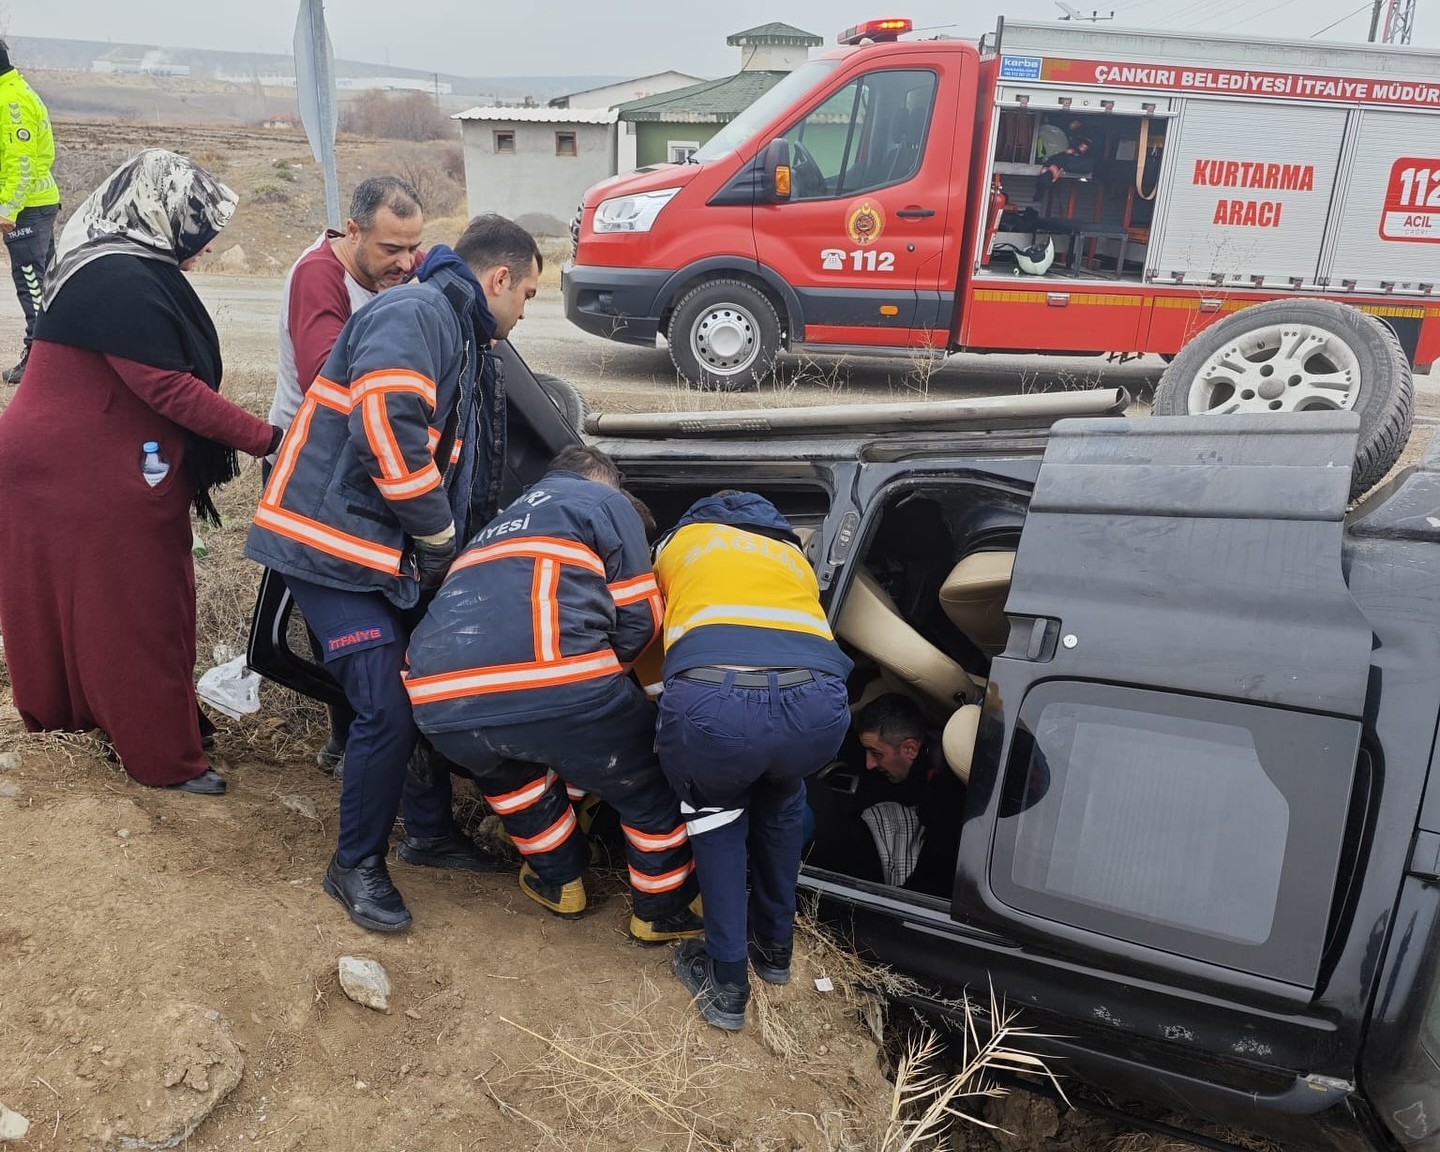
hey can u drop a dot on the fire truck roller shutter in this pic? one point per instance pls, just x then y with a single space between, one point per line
1297 356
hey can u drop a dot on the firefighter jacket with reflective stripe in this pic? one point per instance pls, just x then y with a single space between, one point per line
27 149
366 465
739 592
544 609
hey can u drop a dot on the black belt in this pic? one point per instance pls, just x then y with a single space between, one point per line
784 677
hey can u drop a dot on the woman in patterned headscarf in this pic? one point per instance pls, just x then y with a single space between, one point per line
97 583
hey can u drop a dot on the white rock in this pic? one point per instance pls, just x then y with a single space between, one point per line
9 761
13 1126
9 789
366 982
233 260
301 804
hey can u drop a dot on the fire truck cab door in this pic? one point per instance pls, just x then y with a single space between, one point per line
862 238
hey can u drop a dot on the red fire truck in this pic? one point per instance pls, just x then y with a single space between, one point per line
1062 188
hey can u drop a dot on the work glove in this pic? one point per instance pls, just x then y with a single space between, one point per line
432 561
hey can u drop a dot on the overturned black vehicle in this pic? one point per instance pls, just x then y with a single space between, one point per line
1193 695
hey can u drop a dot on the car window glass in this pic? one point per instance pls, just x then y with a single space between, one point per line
1159 817
1209 828
869 134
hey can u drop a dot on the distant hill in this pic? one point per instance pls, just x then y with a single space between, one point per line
41 53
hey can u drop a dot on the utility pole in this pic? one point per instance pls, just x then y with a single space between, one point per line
1399 22
1375 20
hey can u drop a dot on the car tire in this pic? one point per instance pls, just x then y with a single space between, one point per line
724 337
566 397
1295 356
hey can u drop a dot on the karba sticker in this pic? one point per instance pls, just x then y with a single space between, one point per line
865 221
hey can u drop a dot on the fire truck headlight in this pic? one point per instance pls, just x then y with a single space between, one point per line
632 213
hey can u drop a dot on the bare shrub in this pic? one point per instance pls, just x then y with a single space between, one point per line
79 171
452 162
395 116
270 194
418 167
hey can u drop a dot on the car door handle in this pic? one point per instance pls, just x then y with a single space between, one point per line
915 213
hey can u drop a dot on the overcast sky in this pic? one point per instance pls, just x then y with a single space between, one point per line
622 37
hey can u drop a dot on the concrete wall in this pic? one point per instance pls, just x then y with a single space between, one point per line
652 139
534 186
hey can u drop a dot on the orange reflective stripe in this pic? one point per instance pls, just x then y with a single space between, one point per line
508 802
393 380
575 794
435 445
290 448
329 540
424 479
633 591
655 841
534 547
545 601
551 838
382 438
665 882
510 677
328 394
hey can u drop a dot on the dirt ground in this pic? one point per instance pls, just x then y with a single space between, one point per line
168 962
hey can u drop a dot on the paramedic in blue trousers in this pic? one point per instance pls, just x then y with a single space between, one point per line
519 675
754 702
393 458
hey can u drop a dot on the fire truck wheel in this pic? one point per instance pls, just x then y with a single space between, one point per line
724 337
566 397
1300 356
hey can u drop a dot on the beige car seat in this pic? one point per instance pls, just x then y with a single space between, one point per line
870 622
974 596
957 741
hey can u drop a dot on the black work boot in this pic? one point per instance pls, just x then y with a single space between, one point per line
368 894
331 758
16 374
722 1005
454 851
771 961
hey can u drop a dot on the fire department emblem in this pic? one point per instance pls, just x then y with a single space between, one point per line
865 222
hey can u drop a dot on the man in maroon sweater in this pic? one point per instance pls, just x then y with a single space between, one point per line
337 274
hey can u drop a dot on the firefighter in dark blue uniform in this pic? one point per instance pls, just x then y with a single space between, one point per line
394 455
519 675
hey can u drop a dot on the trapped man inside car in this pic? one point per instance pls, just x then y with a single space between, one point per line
901 827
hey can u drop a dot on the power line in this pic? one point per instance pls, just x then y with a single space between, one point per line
1349 16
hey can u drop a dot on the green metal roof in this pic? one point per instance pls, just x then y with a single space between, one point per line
713 102
775 33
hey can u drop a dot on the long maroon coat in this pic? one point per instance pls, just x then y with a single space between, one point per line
97 583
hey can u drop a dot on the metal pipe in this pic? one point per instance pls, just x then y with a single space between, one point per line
981 412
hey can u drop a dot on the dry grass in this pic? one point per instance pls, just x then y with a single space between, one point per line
641 1069
927 1102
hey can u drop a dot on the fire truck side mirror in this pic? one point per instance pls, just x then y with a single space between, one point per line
776 161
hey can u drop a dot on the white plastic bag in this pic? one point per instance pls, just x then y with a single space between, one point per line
231 688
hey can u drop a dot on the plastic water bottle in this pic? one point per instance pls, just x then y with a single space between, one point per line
153 466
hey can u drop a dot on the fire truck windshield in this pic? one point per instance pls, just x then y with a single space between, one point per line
788 92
